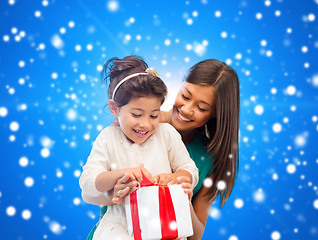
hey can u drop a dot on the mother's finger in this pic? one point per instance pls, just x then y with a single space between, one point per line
186 185
182 179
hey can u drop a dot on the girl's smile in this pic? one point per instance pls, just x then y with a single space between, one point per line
141 134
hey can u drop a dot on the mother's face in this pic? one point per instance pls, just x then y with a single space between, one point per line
194 106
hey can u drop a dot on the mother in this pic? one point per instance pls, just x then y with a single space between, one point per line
206 114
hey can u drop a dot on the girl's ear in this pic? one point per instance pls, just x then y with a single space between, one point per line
113 107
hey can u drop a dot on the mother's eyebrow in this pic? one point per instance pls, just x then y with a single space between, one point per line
188 91
205 102
200 100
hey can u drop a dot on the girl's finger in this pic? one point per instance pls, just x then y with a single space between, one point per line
128 176
117 200
147 174
123 179
133 184
155 179
120 186
138 176
123 192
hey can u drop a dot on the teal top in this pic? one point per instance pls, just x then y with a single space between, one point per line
202 160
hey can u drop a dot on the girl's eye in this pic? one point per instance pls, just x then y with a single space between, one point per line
153 117
184 97
136 115
202 110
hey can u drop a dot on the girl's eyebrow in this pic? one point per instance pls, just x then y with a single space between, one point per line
139 109
200 100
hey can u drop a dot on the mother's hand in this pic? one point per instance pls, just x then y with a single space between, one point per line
165 178
165 116
186 185
172 178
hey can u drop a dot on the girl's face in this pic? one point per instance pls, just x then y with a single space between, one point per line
194 106
139 118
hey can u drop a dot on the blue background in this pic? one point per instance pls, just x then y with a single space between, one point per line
52 105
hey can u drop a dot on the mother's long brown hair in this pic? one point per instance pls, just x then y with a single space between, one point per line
224 128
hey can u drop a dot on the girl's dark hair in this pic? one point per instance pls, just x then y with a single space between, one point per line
224 128
117 69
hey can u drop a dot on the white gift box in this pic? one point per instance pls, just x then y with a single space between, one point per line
156 218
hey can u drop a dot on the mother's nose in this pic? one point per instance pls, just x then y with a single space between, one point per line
187 109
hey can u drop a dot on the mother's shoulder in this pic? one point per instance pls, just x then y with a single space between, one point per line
167 129
166 126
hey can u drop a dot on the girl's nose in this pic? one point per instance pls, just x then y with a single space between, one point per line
145 122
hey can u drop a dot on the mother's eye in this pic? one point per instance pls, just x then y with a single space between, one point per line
184 97
202 110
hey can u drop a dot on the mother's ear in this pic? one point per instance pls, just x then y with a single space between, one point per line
113 107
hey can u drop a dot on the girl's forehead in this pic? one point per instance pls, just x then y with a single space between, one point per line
145 103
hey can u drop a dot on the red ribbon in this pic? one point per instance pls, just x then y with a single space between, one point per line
135 215
167 214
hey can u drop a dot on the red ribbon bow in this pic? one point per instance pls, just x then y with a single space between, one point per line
167 214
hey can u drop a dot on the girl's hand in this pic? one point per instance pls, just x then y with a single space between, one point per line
122 188
130 180
135 174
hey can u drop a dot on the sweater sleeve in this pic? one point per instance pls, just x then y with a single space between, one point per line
97 162
178 154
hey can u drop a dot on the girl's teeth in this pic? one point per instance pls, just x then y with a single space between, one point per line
142 133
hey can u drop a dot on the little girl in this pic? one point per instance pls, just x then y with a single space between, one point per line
139 145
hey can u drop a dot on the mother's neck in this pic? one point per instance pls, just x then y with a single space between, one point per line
188 136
